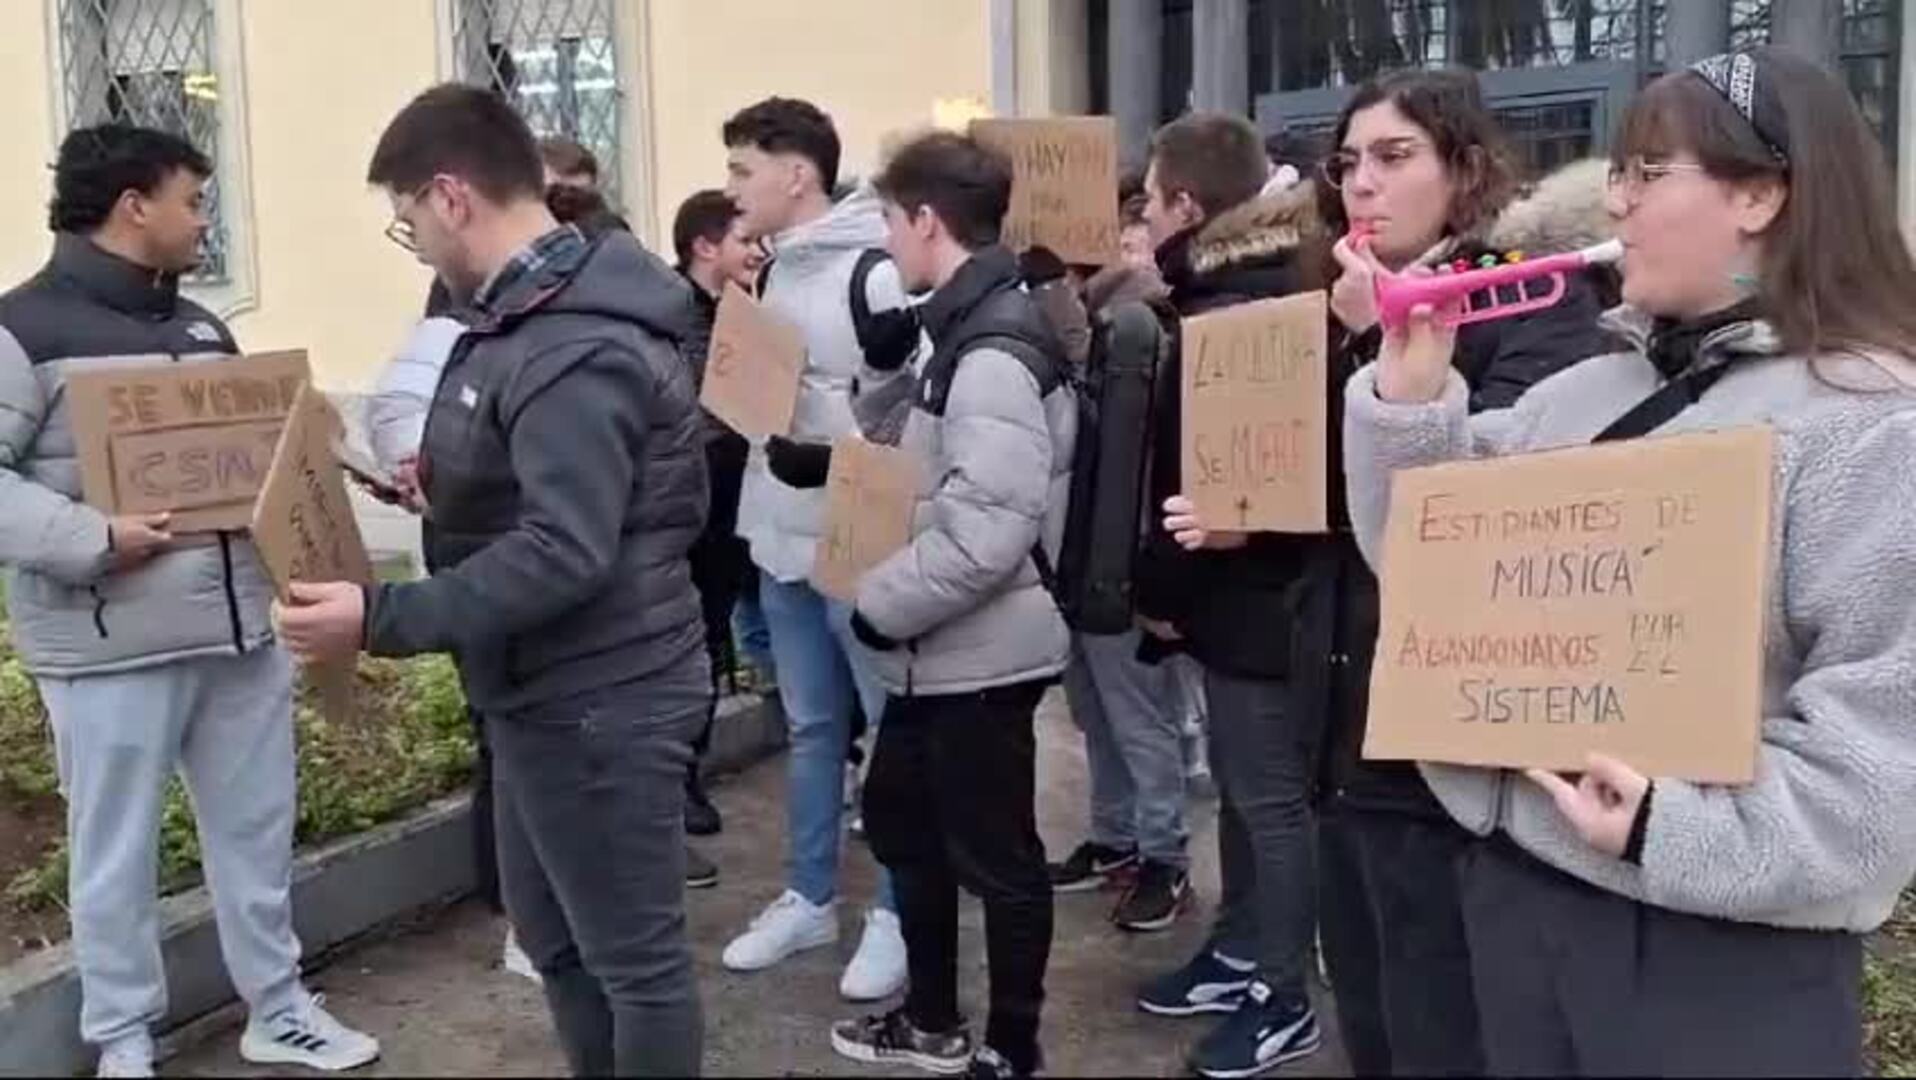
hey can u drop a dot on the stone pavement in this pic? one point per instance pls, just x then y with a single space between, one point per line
441 1006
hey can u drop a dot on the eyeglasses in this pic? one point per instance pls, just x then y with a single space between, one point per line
1385 156
1629 178
401 232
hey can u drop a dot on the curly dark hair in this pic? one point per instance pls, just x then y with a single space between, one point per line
788 126
1449 106
97 165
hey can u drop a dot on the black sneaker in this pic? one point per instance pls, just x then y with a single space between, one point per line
700 873
1205 985
1267 1032
1155 900
989 1064
701 817
1090 867
893 1039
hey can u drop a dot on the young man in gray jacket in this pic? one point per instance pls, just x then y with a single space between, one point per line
563 469
960 624
152 651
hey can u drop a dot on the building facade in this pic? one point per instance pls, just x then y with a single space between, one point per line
290 95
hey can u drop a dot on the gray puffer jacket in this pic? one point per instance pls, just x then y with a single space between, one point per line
966 596
71 614
1825 836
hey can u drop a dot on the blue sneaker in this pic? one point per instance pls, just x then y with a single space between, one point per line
1266 1032
1208 984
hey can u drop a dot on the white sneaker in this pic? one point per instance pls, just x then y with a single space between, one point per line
791 924
129 1057
307 1036
877 970
515 960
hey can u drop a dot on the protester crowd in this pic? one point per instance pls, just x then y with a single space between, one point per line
600 548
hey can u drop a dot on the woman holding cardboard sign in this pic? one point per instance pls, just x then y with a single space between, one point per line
1424 177
1624 923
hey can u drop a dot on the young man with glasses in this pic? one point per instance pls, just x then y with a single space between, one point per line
563 592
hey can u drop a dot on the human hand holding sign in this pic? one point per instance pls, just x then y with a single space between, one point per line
1604 802
1181 521
323 623
135 538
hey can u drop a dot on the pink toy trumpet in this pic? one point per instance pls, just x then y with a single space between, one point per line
1449 295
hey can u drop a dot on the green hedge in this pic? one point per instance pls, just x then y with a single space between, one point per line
407 744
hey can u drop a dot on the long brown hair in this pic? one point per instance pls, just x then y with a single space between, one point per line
1448 105
1835 272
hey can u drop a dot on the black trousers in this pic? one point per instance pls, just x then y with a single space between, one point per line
1574 980
719 565
485 848
950 803
1393 940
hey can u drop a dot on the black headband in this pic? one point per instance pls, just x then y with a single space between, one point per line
1734 75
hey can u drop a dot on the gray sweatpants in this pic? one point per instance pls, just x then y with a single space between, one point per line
225 725
1132 715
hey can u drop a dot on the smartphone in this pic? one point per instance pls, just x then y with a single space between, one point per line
367 471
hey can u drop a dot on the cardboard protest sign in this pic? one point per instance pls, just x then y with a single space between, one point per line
304 528
1064 190
1255 413
753 367
869 496
1607 598
191 438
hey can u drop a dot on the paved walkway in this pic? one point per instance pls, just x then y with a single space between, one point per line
441 1006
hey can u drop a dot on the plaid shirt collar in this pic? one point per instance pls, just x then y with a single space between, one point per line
528 261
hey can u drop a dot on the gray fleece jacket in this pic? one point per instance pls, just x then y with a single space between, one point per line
1825 836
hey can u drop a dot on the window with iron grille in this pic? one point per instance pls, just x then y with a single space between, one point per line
1868 56
556 60
150 63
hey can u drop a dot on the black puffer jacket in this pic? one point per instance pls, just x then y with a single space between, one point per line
1500 359
1230 606
564 464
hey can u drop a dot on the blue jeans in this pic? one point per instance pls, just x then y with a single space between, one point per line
821 679
753 636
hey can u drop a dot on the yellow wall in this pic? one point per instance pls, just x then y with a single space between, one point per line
27 149
875 65
322 78
329 280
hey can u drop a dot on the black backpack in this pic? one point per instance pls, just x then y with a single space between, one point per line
1130 346
869 327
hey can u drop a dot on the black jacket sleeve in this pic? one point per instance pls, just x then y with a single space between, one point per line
573 438
1503 358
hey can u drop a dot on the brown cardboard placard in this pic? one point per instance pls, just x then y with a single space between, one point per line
1064 191
193 437
1606 598
304 527
869 496
753 368
1254 415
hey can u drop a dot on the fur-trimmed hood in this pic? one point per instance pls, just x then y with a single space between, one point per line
1564 211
